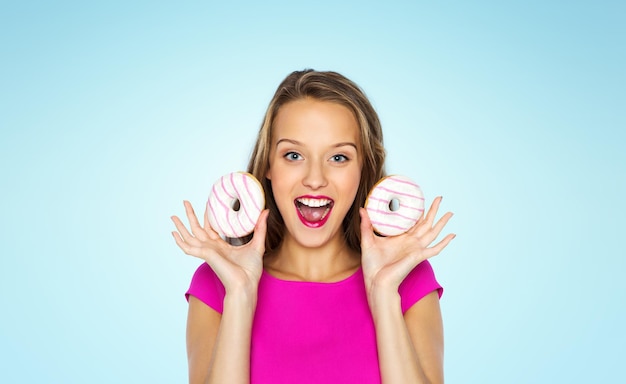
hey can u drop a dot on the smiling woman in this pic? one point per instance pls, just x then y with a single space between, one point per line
314 150
315 296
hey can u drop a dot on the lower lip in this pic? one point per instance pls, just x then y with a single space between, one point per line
314 224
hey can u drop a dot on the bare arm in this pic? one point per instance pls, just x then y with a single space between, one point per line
218 346
425 327
202 326
410 347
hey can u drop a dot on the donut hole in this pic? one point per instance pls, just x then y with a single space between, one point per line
394 204
235 205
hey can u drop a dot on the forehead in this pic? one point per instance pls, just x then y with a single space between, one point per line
313 121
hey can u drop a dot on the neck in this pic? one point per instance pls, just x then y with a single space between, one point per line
333 261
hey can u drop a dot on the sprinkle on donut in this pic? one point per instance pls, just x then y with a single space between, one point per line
235 203
394 205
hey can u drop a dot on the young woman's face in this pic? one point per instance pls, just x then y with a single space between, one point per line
315 169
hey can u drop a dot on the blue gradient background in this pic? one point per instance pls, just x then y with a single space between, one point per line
112 113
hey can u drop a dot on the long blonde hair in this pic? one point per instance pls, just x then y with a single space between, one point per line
332 87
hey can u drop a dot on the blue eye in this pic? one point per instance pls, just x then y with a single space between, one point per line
293 156
339 158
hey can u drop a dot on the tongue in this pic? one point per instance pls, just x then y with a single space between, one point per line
312 214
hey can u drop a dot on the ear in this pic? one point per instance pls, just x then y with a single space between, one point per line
268 174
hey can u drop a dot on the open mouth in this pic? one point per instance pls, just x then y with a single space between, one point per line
314 210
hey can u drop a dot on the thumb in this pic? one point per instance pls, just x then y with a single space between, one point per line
260 230
367 230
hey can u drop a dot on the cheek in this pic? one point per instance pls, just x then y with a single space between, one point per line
356 179
351 183
280 186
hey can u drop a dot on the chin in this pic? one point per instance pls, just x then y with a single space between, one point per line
315 238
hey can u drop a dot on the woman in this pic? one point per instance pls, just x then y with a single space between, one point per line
315 296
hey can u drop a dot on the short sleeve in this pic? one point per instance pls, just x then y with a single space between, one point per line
207 287
418 283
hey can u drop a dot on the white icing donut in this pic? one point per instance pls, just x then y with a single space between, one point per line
402 190
237 188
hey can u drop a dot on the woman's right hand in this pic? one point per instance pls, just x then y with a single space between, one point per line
238 267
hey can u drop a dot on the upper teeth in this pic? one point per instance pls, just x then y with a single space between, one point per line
314 202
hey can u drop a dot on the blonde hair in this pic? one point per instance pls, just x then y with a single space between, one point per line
335 88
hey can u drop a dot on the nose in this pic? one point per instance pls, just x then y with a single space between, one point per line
315 177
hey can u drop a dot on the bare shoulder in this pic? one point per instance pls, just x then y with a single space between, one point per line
425 327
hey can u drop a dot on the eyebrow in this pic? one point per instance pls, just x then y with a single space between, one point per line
296 142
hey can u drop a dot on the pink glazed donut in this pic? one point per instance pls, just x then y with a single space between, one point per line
235 203
394 205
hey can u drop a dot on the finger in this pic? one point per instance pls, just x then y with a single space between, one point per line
367 230
181 243
426 224
186 247
194 224
432 211
418 224
182 230
437 248
207 226
433 233
442 222
260 231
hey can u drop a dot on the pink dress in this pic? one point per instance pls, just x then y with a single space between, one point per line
309 332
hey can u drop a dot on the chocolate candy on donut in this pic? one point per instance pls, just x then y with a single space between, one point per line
394 205
235 203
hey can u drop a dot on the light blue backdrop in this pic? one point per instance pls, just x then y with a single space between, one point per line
112 113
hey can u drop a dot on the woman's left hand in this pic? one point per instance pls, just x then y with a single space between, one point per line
386 261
